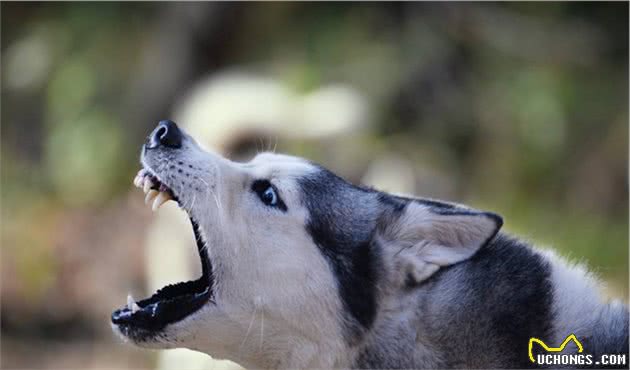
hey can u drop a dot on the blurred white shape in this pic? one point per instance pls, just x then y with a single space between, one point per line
227 104
434 183
391 173
170 248
221 106
328 111
180 358
27 62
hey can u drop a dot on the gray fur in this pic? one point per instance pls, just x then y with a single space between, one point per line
476 314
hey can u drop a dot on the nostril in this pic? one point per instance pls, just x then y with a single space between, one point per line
167 134
160 132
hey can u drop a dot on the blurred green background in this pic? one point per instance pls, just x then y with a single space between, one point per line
519 108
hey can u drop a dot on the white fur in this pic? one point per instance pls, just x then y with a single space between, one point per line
576 298
276 304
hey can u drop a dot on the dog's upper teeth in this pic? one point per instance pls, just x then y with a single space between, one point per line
147 185
151 194
158 197
137 181
161 198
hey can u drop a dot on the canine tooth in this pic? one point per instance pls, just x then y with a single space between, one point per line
130 301
150 195
159 200
147 185
131 304
135 308
137 181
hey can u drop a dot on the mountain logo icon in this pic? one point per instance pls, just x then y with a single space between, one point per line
571 337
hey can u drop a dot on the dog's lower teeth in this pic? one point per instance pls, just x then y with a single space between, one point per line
159 200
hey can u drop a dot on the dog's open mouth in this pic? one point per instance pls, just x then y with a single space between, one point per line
176 301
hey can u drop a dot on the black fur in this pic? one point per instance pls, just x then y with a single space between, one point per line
344 236
396 204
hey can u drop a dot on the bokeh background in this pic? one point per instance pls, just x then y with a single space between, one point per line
519 108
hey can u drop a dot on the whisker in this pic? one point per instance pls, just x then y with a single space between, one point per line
192 204
262 144
216 200
249 328
269 147
209 190
262 328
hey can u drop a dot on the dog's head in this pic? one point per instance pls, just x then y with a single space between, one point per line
292 255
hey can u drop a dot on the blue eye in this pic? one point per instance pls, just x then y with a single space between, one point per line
269 197
268 194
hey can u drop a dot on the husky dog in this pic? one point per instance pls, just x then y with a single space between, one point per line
301 269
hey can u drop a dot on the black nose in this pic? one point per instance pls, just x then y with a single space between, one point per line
166 133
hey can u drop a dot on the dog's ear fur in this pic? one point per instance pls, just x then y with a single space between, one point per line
427 236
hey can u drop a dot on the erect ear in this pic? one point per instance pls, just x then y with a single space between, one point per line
429 235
